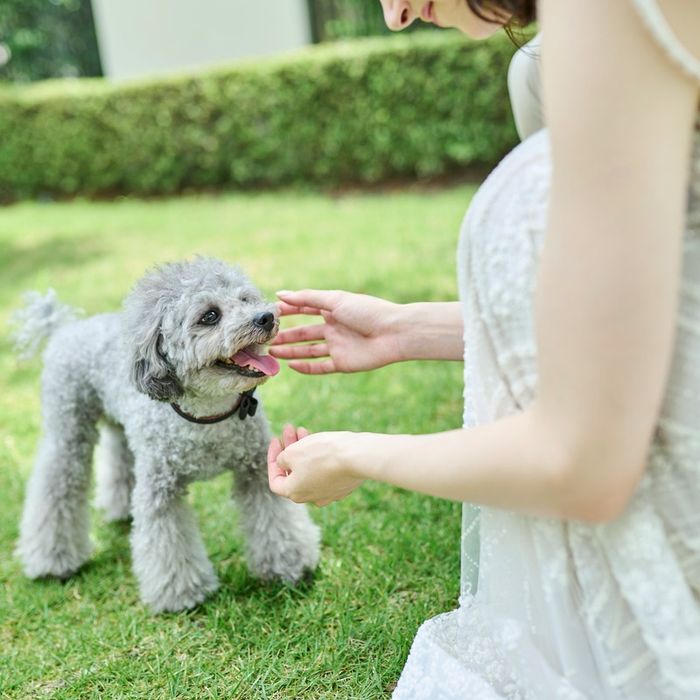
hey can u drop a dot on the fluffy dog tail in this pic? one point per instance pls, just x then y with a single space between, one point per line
37 320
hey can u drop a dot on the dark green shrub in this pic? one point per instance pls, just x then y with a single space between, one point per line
48 39
349 112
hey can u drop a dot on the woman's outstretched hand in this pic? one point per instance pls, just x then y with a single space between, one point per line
311 468
359 332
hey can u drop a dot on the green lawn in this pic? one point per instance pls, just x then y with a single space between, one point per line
390 558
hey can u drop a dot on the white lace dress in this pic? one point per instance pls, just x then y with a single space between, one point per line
565 609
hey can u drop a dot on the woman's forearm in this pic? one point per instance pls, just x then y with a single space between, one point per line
512 463
430 331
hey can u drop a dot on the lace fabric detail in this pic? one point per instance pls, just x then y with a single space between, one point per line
565 609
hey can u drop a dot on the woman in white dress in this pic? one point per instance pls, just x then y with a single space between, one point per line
579 325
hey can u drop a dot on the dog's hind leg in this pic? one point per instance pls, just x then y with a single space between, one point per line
54 532
114 473
282 542
169 559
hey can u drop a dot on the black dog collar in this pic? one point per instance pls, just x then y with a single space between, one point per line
246 405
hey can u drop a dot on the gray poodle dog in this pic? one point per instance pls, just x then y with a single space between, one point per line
167 386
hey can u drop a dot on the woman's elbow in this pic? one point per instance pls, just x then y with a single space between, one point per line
597 489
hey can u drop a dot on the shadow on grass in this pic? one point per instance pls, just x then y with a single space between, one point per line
111 563
238 586
241 593
113 553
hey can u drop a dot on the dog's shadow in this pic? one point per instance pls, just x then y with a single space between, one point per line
240 590
113 558
237 583
110 562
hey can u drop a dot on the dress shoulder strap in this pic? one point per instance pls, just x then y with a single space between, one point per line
663 33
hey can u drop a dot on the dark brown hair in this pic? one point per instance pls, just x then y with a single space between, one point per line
521 12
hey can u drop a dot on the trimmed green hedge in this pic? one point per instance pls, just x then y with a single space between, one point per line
353 112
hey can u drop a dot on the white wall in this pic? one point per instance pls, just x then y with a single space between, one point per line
149 37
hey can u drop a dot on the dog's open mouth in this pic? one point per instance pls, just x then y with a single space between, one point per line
250 363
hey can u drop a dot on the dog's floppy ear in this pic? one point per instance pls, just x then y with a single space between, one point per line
151 372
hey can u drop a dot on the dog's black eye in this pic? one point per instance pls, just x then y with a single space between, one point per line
211 318
245 299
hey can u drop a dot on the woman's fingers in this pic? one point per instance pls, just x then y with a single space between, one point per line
285 309
277 476
295 352
277 468
300 334
323 367
318 299
289 435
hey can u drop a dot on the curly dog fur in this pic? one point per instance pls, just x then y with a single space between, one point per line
113 377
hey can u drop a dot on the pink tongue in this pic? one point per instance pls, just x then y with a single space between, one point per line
263 363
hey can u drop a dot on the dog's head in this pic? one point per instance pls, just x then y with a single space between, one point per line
198 327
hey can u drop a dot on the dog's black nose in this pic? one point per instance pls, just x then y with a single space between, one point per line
266 321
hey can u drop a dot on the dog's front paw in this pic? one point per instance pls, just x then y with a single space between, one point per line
287 550
182 592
